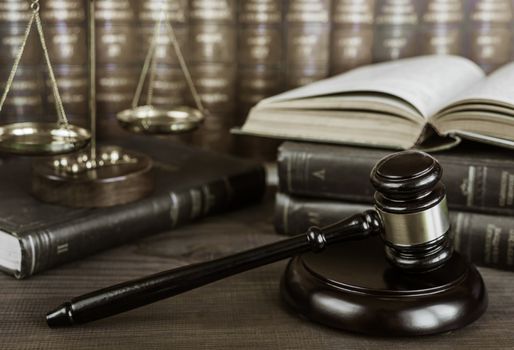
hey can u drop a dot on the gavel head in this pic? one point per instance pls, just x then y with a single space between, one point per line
411 202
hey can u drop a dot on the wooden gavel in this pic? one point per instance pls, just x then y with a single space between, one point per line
410 215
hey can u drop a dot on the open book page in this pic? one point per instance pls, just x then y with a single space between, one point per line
379 103
426 82
357 127
497 89
484 112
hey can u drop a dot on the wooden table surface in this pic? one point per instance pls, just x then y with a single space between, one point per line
241 312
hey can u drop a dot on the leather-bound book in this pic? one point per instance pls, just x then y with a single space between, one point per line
114 12
11 38
213 58
115 88
490 37
396 29
14 12
26 98
307 41
149 12
73 87
164 53
66 39
486 240
255 84
260 67
63 11
442 27
478 178
115 33
189 185
116 56
352 34
169 86
25 101
67 44
115 44
260 51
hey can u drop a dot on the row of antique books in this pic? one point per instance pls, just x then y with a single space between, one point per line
239 51
321 184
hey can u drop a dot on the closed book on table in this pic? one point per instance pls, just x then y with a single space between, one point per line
477 177
189 184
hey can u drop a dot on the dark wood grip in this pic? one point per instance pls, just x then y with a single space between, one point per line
146 290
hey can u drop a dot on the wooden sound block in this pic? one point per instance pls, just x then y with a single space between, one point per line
116 176
351 286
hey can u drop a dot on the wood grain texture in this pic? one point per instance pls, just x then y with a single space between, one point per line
241 312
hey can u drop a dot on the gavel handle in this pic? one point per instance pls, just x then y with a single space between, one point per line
135 293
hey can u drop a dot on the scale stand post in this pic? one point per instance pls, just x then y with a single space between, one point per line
100 177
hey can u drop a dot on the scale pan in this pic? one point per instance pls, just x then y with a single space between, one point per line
42 139
151 120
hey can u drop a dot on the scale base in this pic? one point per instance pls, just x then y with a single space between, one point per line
115 177
352 287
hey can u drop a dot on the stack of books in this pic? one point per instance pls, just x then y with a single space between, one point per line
340 127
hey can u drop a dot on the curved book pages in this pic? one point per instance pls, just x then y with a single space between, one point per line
189 184
396 104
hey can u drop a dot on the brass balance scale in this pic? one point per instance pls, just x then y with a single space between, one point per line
79 173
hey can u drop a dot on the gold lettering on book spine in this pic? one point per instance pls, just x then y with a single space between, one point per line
492 11
308 11
261 12
63 11
510 248
120 10
220 10
397 12
353 11
492 244
444 11
14 11
175 10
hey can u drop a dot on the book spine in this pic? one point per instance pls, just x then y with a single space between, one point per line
490 36
66 38
351 41
114 226
213 60
25 100
442 27
260 67
307 41
116 61
486 240
169 88
474 184
396 29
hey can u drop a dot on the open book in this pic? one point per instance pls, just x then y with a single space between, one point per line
396 104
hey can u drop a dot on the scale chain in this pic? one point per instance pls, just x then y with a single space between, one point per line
150 63
183 65
151 80
61 114
14 69
146 66
63 120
